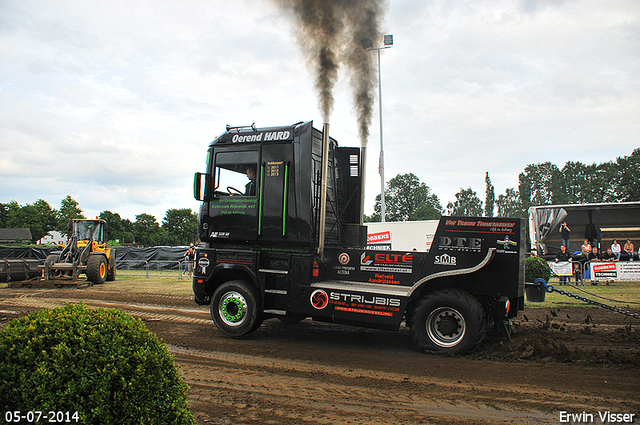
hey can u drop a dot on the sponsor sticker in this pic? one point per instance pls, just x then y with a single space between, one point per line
319 299
365 304
445 260
483 226
344 258
234 258
460 244
507 246
386 262
203 263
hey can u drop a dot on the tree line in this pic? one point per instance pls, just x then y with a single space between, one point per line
179 225
407 199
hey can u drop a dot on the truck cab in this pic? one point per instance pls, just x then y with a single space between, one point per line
271 248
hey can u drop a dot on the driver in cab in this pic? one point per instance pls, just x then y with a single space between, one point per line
250 188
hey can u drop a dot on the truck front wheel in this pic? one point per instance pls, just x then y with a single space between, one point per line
235 308
448 321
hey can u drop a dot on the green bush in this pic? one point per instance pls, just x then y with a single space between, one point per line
102 363
536 267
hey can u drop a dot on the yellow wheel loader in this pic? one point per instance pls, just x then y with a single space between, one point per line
85 254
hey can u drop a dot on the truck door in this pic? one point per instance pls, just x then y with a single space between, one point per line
234 205
275 193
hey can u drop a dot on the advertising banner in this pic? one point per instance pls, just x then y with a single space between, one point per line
615 271
561 268
380 241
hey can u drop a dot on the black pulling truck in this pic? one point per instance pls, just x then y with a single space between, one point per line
263 256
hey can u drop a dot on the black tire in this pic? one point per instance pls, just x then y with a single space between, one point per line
111 272
51 258
235 308
448 321
97 269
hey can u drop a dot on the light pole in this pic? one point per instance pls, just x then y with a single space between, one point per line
368 45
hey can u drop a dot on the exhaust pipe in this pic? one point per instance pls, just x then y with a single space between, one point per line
323 189
363 166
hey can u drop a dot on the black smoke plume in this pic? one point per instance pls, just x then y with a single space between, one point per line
329 34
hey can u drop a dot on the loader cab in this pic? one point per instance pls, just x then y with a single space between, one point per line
84 230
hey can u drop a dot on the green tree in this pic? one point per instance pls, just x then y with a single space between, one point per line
68 211
407 199
118 229
4 215
584 184
490 196
509 204
180 226
541 184
628 178
467 204
38 217
148 231
128 231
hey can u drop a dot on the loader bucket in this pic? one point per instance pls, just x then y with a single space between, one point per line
17 269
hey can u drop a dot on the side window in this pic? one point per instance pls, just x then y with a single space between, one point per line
235 173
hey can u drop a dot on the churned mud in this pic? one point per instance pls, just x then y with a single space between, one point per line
572 360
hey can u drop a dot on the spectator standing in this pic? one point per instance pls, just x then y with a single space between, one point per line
565 233
616 249
577 273
190 257
563 255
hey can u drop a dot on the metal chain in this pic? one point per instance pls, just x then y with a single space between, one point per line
550 288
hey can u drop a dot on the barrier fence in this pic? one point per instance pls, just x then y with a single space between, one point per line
597 271
152 268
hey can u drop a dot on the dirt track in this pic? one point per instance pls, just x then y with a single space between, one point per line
311 372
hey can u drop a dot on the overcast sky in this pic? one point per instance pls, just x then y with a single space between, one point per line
115 102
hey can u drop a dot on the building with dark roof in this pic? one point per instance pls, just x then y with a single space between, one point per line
9 236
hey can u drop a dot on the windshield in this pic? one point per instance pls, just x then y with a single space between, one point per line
85 230
235 173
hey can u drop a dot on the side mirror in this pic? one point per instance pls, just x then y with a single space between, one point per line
200 186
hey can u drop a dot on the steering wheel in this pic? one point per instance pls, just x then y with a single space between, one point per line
231 191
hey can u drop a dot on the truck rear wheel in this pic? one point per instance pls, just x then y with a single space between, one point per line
449 321
97 269
235 308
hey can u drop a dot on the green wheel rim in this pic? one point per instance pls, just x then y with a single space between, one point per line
232 308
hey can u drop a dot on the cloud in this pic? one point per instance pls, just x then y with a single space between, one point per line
115 103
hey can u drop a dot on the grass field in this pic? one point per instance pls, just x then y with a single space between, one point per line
620 294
